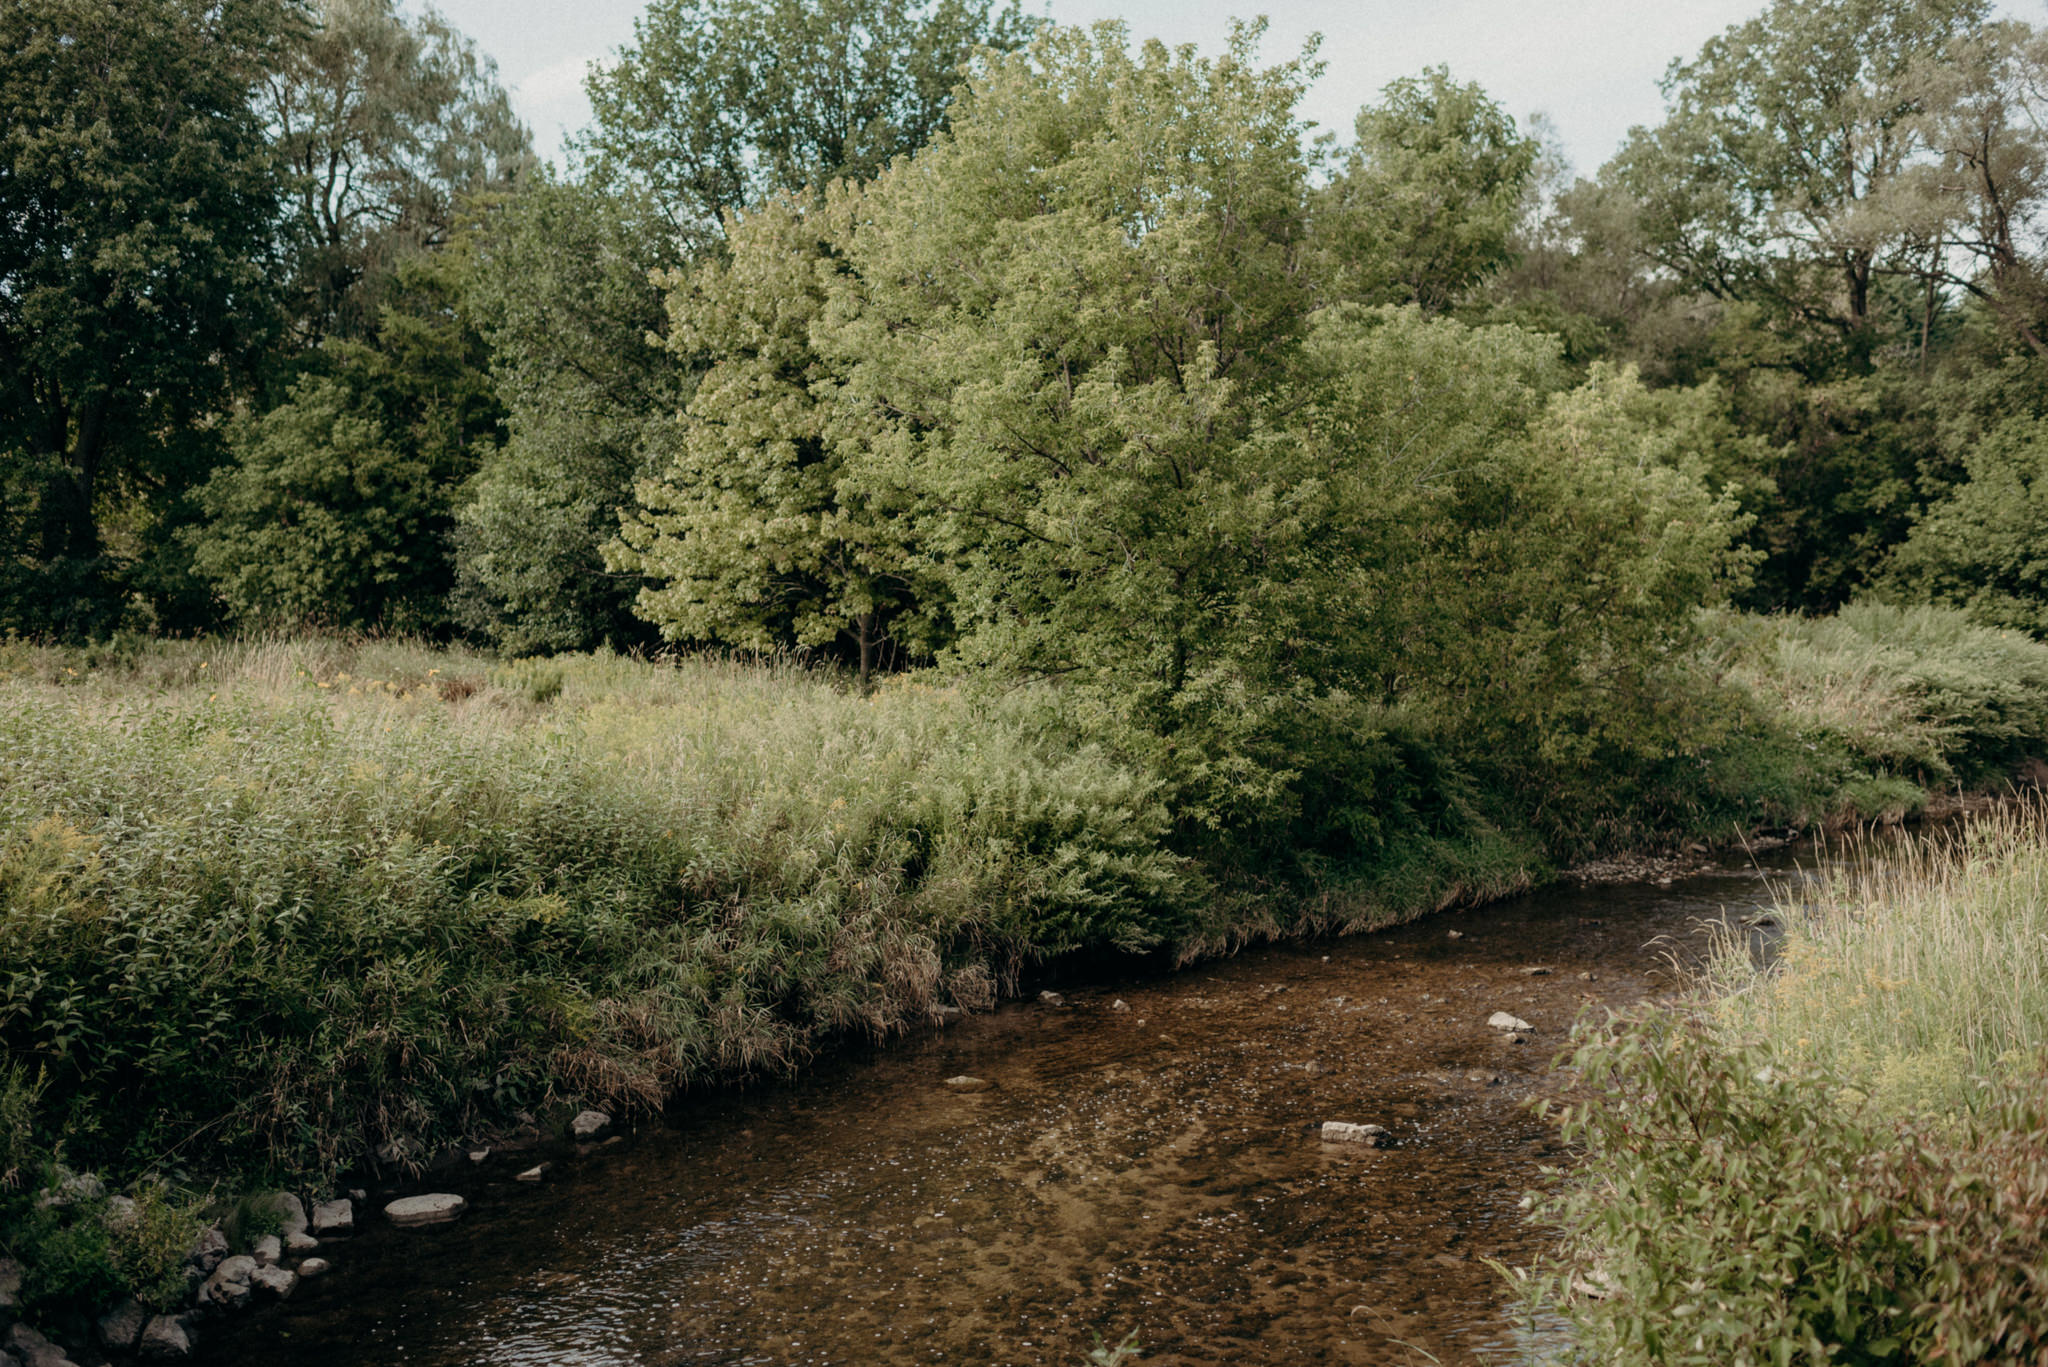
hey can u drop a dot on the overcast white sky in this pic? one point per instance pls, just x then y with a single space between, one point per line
1591 65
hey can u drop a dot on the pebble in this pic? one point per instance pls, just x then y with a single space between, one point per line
1119 1005
1457 935
532 1174
1536 971
1052 999
1344 1132
434 1208
1501 1020
312 1267
479 1155
964 1083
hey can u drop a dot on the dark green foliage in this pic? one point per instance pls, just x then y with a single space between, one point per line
135 277
337 507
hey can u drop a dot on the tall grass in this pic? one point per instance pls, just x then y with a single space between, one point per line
1917 968
289 902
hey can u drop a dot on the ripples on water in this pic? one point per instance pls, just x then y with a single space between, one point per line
1151 1169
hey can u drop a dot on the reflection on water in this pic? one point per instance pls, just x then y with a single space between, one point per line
1152 1168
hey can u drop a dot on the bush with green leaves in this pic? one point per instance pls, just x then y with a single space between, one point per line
1734 1206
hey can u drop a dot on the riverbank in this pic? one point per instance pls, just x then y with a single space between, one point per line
284 911
1839 1151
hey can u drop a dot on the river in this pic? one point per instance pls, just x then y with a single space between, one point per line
1152 1167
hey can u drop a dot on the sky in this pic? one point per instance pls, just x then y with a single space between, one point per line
1591 66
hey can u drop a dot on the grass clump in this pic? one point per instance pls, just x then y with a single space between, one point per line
1843 1155
276 906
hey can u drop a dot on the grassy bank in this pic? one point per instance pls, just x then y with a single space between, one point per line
1842 1155
273 907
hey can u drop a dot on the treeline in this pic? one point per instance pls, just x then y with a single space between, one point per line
1332 478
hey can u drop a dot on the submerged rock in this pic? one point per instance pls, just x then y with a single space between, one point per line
1345 1132
436 1208
589 1125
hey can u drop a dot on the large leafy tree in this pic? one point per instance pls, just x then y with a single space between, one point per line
385 125
1765 183
563 285
718 103
137 203
1430 195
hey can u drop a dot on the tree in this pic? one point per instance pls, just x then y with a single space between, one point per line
1431 193
1984 546
759 533
562 285
719 103
1764 183
137 197
337 507
385 126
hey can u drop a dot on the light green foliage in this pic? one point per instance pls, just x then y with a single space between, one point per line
138 194
1915 969
383 123
356 895
560 285
758 534
1919 692
1984 546
719 103
1735 1206
1429 197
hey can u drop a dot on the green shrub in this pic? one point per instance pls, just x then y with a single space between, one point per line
1734 1208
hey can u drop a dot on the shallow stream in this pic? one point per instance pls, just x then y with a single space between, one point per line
1153 1168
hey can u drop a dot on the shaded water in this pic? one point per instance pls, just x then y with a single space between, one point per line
1150 1169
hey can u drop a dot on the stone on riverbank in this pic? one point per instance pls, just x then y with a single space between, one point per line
332 1218
164 1337
533 1174
1501 1020
274 1281
228 1287
436 1208
1052 999
120 1327
588 1125
208 1249
34 1350
267 1250
292 1211
10 1287
300 1243
312 1267
1344 1132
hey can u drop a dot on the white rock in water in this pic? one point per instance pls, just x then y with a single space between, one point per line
589 1124
334 1217
165 1337
1344 1132
534 1173
1501 1020
312 1267
274 1281
433 1209
964 1083
1052 999
479 1155
300 1243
